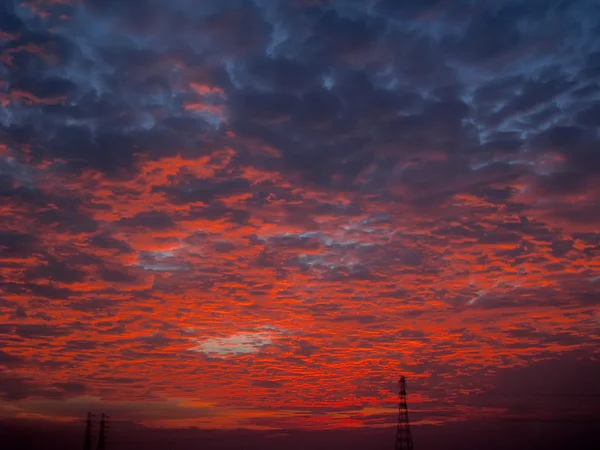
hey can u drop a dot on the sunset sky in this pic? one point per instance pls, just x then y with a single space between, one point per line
258 214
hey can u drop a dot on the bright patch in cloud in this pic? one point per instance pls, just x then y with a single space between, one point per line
236 344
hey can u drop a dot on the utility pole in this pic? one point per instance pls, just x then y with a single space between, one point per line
102 433
87 441
403 435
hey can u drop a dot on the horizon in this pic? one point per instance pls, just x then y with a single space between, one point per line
257 215
493 434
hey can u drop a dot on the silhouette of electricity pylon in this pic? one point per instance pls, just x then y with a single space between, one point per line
102 434
89 425
403 434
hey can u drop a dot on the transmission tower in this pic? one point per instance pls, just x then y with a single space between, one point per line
87 441
102 433
403 435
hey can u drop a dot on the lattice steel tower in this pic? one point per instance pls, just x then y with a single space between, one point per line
87 440
403 435
102 433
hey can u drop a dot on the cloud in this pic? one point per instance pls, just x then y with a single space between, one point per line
236 344
18 388
316 195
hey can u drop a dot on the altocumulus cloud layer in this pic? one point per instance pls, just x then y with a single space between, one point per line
257 213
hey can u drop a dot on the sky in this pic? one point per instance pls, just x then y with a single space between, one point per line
256 214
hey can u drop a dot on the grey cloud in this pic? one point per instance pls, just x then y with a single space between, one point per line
15 388
267 384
